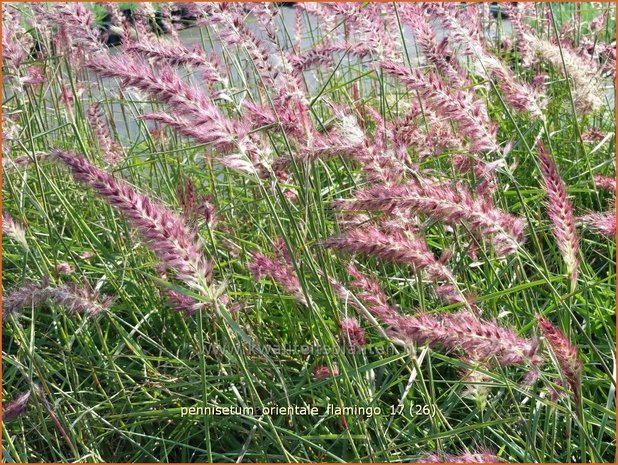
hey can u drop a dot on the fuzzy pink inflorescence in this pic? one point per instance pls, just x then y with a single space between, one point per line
167 234
605 182
436 53
560 212
353 334
110 149
566 355
279 269
322 372
75 299
194 114
373 296
470 116
399 247
470 335
461 332
15 407
602 223
13 229
448 203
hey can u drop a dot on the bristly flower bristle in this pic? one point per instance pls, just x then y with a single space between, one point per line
353 335
605 182
560 212
75 299
602 223
16 407
448 203
167 234
279 269
399 248
566 355
111 150
469 115
13 229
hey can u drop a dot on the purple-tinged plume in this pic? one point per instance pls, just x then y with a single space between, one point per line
13 229
353 335
466 333
605 182
16 407
110 149
175 53
560 212
279 269
451 204
565 353
470 116
167 234
602 223
75 299
322 372
399 247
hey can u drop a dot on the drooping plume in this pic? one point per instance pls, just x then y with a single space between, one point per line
16 407
399 247
110 149
448 203
279 269
167 234
602 223
75 299
470 116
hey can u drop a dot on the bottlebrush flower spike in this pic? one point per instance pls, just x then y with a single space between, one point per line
437 54
400 248
167 86
560 212
74 298
175 53
566 355
470 116
16 407
464 332
602 223
584 75
373 296
63 268
222 134
605 182
13 229
77 22
448 203
167 234
353 333
521 96
184 303
110 149
16 42
279 269
11 164
195 206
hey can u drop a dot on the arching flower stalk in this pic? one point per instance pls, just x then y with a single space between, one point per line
166 233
